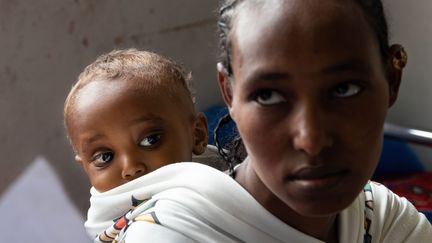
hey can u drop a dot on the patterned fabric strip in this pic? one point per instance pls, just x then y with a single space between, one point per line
368 212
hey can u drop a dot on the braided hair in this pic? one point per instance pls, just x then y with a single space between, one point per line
374 14
234 152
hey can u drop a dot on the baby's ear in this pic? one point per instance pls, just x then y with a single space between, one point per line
200 134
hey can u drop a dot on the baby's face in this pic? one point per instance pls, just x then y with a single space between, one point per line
121 132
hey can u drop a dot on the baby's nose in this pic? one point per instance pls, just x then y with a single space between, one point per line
132 169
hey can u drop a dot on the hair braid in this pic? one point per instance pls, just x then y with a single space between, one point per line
233 152
223 152
375 15
226 14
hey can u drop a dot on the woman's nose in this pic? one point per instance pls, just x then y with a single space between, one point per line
310 133
132 167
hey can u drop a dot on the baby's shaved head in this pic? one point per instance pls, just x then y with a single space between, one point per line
147 70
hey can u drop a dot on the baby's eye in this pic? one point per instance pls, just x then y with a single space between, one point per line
347 90
269 97
150 141
101 159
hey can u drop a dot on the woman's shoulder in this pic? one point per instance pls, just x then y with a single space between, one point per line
394 218
387 202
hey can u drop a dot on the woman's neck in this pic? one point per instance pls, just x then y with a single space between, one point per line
324 228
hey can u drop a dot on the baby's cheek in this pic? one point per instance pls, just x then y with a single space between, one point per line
106 180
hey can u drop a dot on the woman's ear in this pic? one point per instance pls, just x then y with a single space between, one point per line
397 61
200 134
224 84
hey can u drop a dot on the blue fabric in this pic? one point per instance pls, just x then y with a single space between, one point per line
397 158
428 215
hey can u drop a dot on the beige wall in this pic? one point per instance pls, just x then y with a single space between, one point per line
44 45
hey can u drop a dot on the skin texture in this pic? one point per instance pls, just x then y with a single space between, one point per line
309 94
122 131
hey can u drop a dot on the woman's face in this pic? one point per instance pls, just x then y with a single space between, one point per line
309 95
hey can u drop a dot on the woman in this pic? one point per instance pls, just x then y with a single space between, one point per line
308 84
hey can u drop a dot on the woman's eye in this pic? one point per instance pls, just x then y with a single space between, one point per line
150 141
269 97
101 159
347 90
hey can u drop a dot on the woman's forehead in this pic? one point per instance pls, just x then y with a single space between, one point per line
294 15
296 27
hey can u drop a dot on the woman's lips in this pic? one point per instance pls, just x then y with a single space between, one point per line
310 173
317 178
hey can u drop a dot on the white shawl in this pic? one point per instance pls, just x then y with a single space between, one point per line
191 202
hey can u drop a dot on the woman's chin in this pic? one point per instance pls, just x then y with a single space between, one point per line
321 207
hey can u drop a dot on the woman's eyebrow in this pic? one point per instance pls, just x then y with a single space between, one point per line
348 65
263 75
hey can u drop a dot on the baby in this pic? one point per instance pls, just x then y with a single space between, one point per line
130 113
